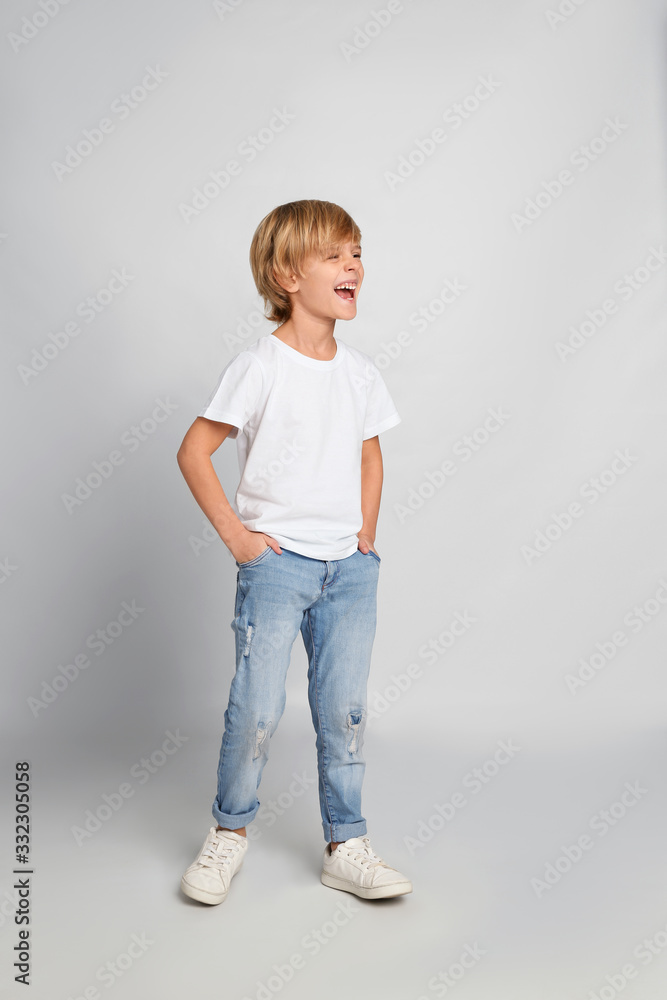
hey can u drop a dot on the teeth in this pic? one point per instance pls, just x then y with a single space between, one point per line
346 286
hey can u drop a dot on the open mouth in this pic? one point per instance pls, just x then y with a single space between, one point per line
346 290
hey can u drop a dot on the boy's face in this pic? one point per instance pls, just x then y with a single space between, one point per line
319 293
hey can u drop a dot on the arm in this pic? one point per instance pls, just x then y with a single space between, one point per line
194 460
371 491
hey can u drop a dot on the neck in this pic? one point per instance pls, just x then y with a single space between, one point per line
309 334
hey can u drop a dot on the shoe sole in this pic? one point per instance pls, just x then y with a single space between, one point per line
212 899
375 892
201 895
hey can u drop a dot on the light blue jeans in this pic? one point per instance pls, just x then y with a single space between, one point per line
333 604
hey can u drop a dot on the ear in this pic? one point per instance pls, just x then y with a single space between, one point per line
289 282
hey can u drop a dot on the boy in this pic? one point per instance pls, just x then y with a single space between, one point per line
305 410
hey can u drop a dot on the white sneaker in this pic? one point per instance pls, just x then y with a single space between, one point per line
355 867
208 877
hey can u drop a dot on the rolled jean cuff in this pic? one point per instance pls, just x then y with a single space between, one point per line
336 833
233 822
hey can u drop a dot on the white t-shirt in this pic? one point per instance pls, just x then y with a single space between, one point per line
299 424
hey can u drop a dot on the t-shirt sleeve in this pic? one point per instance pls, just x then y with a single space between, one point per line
381 414
235 397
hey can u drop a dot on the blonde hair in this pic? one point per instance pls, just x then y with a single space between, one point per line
286 237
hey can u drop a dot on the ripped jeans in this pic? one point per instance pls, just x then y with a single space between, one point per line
333 604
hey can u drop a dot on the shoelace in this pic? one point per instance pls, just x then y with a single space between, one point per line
368 857
218 853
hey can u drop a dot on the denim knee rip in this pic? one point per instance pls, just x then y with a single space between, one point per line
248 639
261 738
354 724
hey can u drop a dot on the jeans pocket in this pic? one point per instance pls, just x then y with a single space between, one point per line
253 562
374 554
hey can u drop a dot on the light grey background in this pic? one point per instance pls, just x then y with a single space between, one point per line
140 537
